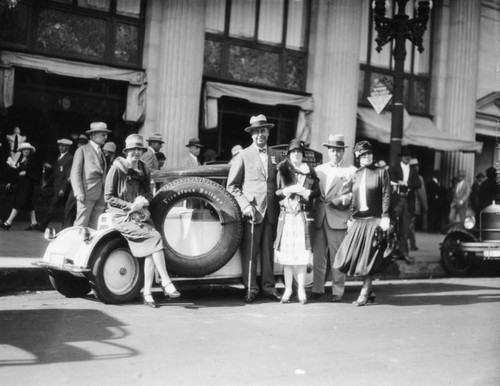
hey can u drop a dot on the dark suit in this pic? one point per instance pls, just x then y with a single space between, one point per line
62 186
330 223
403 203
88 174
251 184
438 206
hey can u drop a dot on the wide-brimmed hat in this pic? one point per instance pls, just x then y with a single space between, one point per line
257 122
405 152
296 144
155 138
98 127
65 141
361 148
335 140
82 138
26 146
109 146
194 142
134 141
413 162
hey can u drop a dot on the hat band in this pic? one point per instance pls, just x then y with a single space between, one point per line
260 123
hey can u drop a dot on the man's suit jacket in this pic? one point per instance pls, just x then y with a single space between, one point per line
189 162
250 184
324 207
62 172
149 158
396 174
461 193
87 173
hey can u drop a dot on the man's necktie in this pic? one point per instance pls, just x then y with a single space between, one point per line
16 143
263 151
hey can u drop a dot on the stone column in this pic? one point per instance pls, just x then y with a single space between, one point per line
334 71
173 58
461 83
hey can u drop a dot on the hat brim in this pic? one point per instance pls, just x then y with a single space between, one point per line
30 148
93 131
194 144
144 149
329 145
268 125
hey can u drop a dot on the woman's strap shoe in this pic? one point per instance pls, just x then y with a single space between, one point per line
170 291
149 301
4 225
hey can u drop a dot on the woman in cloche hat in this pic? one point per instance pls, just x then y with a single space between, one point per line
128 193
26 173
357 255
298 186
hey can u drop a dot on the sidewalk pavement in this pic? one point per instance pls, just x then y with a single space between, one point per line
20 248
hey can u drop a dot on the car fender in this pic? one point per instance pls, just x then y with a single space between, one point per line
460 230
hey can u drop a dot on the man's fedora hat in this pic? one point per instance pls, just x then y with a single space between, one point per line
26 146
65 141
194 142
335 140
405 152
82 138
257 122
155 138
109 146
134 141
296 144
98 127
361 148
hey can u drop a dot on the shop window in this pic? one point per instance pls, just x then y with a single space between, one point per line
262 42
417 65
101 31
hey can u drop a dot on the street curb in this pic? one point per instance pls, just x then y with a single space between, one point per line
20 279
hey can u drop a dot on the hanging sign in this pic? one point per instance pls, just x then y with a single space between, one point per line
380 94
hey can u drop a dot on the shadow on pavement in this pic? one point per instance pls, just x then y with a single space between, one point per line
58 336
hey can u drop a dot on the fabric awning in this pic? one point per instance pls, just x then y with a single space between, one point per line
417 131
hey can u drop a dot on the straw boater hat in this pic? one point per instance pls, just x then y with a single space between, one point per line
194 142
109 146
98 127
335 140
155 138
65 141
134 141
257 122
26 146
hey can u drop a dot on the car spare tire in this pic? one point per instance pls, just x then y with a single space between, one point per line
200 223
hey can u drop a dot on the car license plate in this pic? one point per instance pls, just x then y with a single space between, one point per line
57 259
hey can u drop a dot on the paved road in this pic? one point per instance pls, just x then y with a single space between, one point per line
426 332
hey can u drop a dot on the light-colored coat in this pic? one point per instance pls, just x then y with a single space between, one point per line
189 162
87 174
149 158
323 209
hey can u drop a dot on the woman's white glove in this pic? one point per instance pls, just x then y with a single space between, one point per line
385 223
139 203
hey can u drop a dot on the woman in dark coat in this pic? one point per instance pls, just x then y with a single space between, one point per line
297 187
25 175
371 188
128 194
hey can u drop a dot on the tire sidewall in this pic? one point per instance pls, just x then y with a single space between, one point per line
229 216
69 285
447 262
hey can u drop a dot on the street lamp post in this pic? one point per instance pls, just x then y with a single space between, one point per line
399 28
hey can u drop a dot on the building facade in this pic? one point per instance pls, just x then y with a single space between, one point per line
201 68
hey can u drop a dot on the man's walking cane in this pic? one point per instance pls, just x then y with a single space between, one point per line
251 258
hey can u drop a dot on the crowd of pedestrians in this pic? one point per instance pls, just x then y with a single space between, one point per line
302 217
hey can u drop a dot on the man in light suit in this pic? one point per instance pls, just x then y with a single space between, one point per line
405 182
331 212
149 157
88 175
460 199
61 175
191 160
252 181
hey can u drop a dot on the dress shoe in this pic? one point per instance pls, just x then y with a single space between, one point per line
4 225
273 296
249 298
39 227
170 291
336 299
365 299
407 259
415 248
316 295
32 227
286 296
149 301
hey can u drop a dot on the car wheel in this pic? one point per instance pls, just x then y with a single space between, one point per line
455 261
69 285
116 275
200 223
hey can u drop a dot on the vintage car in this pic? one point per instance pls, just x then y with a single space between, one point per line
467 244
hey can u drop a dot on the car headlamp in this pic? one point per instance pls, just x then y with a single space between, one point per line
469 222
